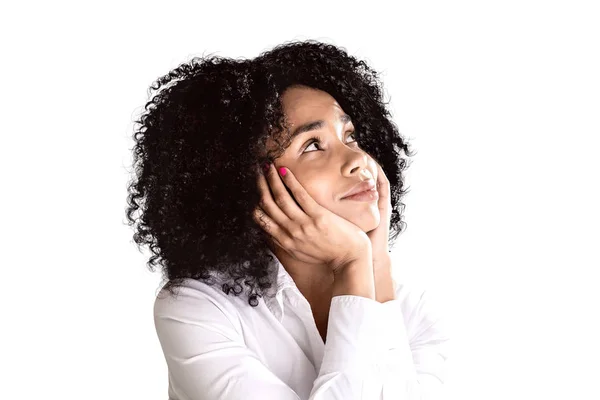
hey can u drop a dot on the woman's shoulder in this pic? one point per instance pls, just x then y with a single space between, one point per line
195 300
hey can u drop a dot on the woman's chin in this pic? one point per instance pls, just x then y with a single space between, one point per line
367 221
366 218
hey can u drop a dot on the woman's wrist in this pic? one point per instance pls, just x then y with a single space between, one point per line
384 283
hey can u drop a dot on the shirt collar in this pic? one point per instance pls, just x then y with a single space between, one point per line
282 284
283 279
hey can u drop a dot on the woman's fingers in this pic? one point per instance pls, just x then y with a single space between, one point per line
268 225
283 199
278 237
383 183
269 215
281 214
268 203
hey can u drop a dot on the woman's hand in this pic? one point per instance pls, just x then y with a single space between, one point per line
309 233
382 262
379 236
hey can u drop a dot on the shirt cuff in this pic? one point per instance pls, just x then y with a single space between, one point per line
365 335
397 361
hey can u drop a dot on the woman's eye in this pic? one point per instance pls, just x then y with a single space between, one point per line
312 140
317 140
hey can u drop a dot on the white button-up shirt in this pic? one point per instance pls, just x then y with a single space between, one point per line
217 346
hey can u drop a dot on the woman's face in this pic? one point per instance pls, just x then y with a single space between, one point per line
331 167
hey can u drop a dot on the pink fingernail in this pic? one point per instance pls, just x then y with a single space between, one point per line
282 171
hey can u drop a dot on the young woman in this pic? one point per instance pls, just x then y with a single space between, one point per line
307 234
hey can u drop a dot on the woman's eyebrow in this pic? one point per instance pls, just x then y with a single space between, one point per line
314 125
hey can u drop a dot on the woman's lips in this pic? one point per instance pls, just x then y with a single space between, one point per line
367 195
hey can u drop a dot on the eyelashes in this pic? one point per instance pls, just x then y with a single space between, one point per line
314 139
318 139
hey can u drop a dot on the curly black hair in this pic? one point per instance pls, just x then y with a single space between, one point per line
203 134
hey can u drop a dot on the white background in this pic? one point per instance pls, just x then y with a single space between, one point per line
500 99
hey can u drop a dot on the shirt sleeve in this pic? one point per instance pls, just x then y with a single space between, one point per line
206 355
367 354
370 354
415 367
